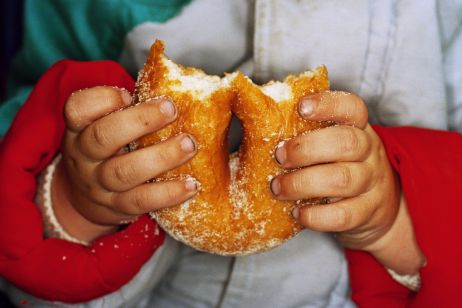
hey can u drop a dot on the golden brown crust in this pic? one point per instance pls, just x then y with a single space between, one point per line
234 213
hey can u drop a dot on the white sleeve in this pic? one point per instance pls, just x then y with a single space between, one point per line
340 296
450 14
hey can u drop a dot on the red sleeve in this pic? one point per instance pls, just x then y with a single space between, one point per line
429 164
54 269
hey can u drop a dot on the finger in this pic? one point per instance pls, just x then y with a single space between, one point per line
124 172
341 107
328 180
99 212
85 106
106 136
103 215
332 144
343 215
153 196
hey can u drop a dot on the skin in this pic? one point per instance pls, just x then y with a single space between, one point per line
347 163
98 185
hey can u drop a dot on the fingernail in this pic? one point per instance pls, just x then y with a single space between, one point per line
281 153
307 106
167 108
295 212
190 184
275 186
187 144
126 97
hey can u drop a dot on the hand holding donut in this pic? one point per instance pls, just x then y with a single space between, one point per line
347 165
108 184
99 186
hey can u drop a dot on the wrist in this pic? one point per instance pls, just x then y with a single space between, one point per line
398 249
67 216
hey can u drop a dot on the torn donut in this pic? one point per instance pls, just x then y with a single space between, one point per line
234 211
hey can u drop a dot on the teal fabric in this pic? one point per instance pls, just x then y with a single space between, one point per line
11 107
80 30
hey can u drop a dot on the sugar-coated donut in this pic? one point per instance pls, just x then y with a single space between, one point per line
234 212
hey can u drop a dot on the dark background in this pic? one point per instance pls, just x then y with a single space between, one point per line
10 34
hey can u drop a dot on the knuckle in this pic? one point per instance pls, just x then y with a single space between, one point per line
364 145
331 218
337 106
72 111
140 201
375 145
344 177
342 218
99 134
123 173
359 109
314 218
117 176
109 97
349 141
296 183
171 192
163 157
368 180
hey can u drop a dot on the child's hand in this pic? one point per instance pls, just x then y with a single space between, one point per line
347 165
108 184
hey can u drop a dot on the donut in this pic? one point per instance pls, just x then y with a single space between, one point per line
234 211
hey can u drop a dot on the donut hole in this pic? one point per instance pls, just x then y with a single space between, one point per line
235 134
278 91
